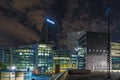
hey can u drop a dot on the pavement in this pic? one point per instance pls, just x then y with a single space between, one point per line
94 76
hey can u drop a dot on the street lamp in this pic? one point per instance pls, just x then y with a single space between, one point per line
10 74
108 13
13 68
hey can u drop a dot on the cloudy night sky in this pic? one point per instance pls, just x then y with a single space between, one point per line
21 20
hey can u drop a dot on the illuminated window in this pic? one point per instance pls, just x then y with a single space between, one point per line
20 53
96 50
103 50
89 50
100 50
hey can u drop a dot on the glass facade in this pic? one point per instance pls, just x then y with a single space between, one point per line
81 51
40 58
116 63
73 44
45 58
62 58
81 58
23 57
115 53
4 56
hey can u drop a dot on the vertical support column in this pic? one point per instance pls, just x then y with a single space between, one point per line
3 56
57 68
108 14
93 60
58 36
11 57
35 56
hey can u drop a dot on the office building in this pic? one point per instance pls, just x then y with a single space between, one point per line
23 57
72 46
73 41
92 51
115 53
4 56
62 59
41 58
45 58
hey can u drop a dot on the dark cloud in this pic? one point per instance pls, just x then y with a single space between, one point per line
71 15
89 15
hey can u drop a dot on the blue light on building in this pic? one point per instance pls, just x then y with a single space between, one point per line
50 21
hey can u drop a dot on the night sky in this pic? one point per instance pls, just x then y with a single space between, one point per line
71 15
89 15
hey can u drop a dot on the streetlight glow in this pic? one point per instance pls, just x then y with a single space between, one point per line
13 68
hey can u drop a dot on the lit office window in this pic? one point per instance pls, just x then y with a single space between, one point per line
100 50
96 50
104 51
89 50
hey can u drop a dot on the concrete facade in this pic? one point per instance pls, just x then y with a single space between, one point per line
94 50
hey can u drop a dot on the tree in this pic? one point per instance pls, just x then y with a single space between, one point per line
2 66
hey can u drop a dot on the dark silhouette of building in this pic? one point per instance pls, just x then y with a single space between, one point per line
50 34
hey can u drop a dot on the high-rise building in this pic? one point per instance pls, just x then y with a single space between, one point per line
92 51
72 46
73 40
115 53
50 32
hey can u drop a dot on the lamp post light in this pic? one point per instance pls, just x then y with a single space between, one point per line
13 68
108 14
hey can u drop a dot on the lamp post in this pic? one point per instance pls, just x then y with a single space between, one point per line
108 13
13 70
